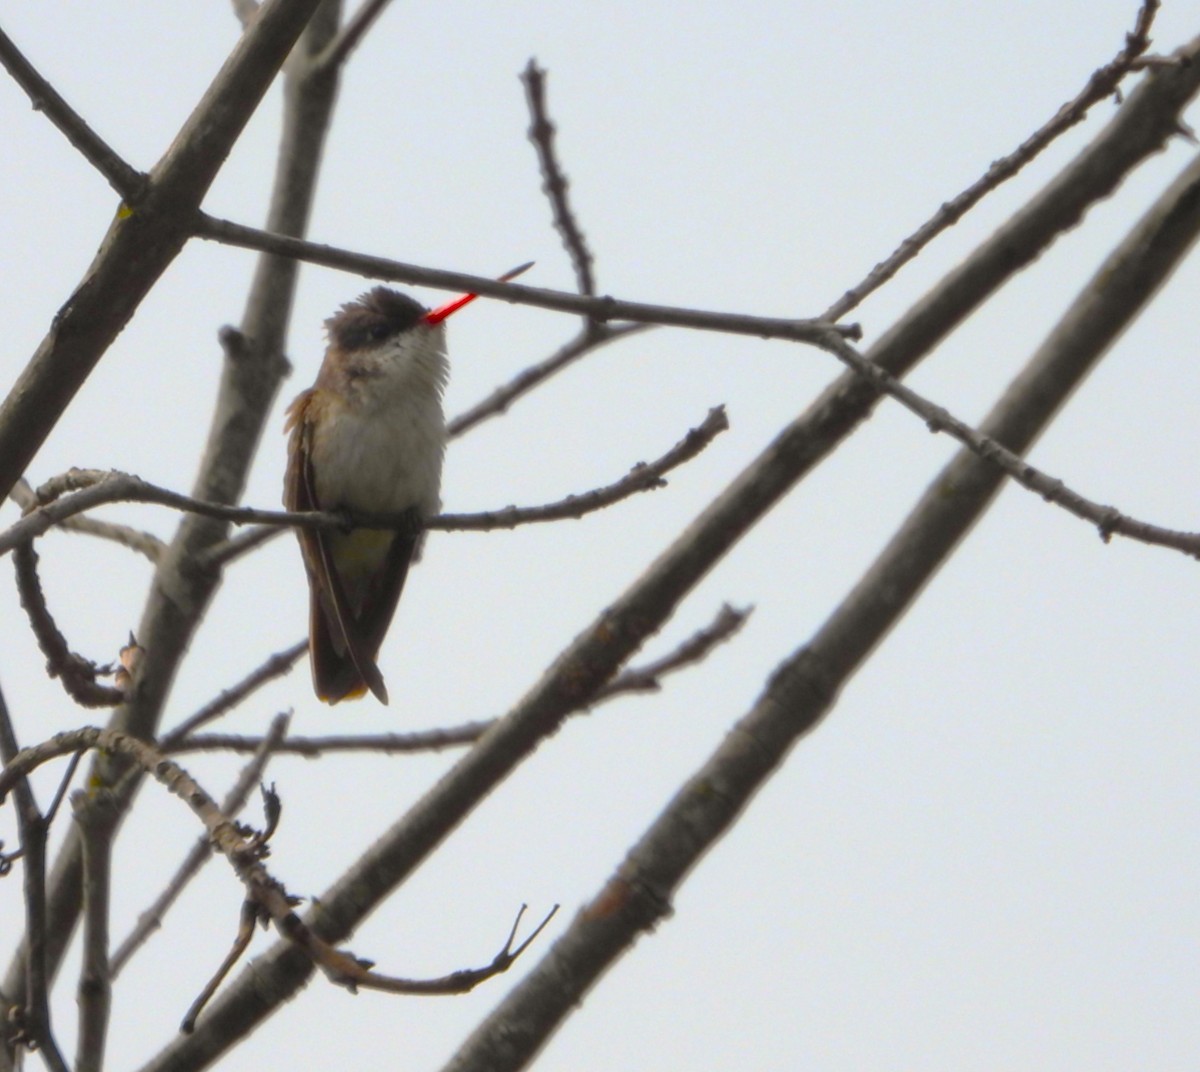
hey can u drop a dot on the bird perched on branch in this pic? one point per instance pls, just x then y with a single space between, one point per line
367 437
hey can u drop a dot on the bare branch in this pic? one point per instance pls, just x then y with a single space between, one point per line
276 666
554 182
96 487
641 477
351 972
647 678
1120 289
61 793
266 896
339 49
97 817
151 919
144 238
247 918
77 674
122 177
695 649
145 543
592 337
239 544
637 679
1141 127
34 1029
600 308
1102 85
312 747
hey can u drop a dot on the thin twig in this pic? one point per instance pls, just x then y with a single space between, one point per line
63 785
602 308
637 679
265 893
77 674
97 486
1108 520
554 182
247 918
312 747
642 477
145 543
1102 85
276 666
122 177
648 678
338 50
151 919
592 337
220 555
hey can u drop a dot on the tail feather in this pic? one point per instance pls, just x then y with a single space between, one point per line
335 675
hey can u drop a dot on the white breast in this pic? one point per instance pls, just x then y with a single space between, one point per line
382 449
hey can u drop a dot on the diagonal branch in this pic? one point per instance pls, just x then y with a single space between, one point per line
122 177
181 589
1102 85
592 337
1122 287
601 308
350 36
151 919
637 897
276 666
144 238
642 477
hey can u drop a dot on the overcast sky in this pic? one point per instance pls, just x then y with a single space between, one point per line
988 856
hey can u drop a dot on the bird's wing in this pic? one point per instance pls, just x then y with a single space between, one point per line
342 654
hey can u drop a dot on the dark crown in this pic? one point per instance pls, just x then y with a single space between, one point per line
381 313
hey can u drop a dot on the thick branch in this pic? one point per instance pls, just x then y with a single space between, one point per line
182 589
144 238
33 1028
97 816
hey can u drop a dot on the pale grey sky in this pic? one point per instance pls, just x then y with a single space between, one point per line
988 856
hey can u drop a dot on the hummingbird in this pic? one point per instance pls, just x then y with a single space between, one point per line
369 436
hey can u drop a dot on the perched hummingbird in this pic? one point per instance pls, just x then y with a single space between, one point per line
368 436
